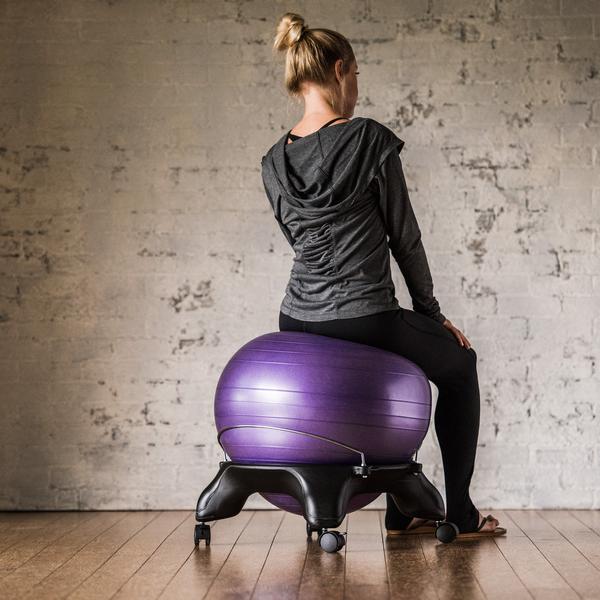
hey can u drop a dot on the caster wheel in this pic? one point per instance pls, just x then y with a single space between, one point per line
331 541
201 532
446 532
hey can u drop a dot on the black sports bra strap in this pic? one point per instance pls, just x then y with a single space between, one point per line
292 135
332 121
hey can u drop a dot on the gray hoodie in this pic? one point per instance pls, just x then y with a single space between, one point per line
337 194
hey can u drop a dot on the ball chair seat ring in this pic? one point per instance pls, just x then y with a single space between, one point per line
363 464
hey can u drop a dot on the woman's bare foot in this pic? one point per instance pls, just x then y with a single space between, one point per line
489 525
416 522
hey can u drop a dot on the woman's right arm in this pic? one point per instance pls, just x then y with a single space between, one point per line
405 237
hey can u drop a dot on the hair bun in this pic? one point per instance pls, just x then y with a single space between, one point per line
290 30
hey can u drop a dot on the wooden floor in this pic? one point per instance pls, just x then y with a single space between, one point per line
265 554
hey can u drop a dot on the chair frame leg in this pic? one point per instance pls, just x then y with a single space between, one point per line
323 491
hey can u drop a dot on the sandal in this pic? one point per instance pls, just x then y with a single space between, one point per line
424 528
478 533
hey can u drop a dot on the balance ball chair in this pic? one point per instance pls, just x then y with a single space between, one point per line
320 427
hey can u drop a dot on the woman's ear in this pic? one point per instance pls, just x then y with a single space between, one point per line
339 64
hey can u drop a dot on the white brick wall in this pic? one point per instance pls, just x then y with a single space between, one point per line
138 252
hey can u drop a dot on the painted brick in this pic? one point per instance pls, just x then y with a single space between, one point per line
138 251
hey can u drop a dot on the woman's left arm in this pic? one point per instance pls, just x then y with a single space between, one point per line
276 206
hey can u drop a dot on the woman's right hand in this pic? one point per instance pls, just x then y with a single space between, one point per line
460 336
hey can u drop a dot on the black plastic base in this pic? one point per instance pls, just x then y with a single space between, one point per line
323 491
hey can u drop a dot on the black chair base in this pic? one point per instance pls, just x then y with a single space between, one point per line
323 491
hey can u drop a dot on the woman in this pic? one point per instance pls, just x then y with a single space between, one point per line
337 190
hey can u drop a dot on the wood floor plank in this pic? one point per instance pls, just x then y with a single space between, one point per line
107 580
26 518
581 577
583 538
450 567
323 573
366 570
17 583
493 572
245 562
204 564
529 564
77 569
30 544
11 519
154 575
547 554
408 571
282 572
591 518
19 524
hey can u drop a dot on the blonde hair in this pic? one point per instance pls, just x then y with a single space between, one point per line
311 54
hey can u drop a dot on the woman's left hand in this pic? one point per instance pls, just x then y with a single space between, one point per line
460 336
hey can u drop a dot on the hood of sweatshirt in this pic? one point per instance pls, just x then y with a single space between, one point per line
324 173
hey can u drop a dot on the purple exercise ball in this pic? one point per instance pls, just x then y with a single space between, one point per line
361 396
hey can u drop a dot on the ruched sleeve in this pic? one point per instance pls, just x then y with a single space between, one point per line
405 236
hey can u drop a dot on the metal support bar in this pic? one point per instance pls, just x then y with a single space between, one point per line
313 435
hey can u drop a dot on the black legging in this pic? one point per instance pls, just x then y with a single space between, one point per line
452 367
